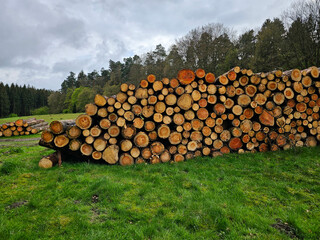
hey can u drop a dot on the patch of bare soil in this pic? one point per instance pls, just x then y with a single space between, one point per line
285 228
19 140
16 204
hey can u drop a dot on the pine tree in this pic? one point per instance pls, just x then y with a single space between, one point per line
4 101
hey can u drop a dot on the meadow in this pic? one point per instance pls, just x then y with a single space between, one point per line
48 118
273 195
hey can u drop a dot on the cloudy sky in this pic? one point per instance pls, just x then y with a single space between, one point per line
41 41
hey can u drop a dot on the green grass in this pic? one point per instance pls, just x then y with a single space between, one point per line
48 118
273 195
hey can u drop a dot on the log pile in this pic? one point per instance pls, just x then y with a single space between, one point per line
23 127
195 114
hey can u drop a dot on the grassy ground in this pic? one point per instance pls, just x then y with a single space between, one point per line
250 196
47 118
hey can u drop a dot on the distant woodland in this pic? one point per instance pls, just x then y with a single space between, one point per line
290 41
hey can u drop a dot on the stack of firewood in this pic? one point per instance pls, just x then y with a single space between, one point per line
22 127
195 114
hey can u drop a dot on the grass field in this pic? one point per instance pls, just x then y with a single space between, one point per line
249 196
48 118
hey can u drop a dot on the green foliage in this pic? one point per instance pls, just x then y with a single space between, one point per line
13 115
72 107
84 97
269 51
4 101
40 111
110 90
55 102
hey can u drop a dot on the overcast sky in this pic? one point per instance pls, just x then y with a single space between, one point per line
41 41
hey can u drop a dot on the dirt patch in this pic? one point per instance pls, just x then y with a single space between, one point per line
16 204
95 198
19 140
285 228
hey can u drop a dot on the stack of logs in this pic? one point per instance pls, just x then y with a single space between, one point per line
23 127
195 114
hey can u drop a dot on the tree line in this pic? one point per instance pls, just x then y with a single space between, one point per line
22 100
290 41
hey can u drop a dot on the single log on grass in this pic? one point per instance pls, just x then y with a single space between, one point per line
49 161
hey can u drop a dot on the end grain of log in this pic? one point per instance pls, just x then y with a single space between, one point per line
111 154
83 121
186 76
126 160
141 139
100 100
49 161
86 149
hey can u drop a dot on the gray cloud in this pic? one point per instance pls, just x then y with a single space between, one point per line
41 41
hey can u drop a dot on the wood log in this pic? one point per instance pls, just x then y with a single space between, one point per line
114 131
126 159
210 77
91 109
136 109
75 144
185 101
157 148
83 121
178 158
100 100
58 127
47 136
151 78
126 145
61 140
235 143
141 93
175 138
141 139
73 132
186 76
146 153
111 154
266 118
164 131
96 155
86 149
100 144
49 161
147 111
